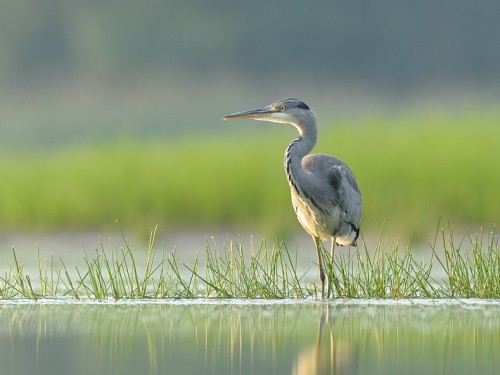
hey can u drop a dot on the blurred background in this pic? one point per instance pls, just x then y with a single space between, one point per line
111 111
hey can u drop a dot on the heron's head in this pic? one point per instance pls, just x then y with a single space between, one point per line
289 110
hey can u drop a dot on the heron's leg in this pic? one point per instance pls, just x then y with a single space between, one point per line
332 252
322 275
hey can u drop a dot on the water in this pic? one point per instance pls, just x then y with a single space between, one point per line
250 337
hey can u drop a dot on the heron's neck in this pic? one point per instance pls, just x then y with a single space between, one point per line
295 152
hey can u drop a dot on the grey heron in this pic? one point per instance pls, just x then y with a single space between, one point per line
325 195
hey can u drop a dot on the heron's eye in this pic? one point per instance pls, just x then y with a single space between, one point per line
282 108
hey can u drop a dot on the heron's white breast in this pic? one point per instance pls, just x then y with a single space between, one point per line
315 222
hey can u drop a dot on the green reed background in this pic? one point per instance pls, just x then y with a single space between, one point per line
412 168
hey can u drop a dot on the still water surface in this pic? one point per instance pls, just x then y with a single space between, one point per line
238 337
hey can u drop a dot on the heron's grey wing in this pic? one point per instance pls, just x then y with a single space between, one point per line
348 190
337 183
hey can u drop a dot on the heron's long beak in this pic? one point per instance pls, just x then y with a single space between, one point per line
256 114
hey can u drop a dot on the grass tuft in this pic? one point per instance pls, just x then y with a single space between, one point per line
386 272
264 274
472 274
471 268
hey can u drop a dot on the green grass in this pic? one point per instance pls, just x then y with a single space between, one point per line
411 167
475 273
472 270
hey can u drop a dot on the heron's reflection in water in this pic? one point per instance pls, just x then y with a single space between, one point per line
325 356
